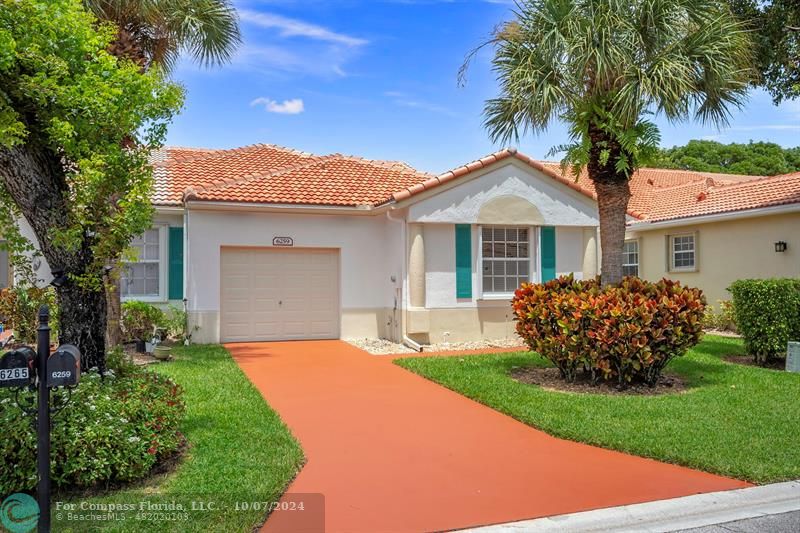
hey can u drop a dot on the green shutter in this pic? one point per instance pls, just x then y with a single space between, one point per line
175 263
548 237
463 261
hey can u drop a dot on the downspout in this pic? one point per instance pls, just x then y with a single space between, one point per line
407 341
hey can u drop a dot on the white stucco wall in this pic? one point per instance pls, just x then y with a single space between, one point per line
369 251
461 204
569 251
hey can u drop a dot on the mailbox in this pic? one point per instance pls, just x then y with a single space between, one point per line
64 367
17 368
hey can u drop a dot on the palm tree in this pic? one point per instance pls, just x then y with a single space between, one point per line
603 67
158 32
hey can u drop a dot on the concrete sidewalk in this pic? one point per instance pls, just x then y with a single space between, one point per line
773 508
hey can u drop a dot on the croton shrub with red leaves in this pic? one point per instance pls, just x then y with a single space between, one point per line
627 332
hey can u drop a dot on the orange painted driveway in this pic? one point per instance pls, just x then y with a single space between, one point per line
393 452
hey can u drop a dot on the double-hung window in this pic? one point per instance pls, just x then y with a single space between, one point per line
682 252
630 258
505 257
144 277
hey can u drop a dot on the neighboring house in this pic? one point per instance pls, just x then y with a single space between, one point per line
711 231
267 243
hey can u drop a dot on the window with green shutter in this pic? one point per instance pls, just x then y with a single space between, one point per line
175 263
548 240
463 261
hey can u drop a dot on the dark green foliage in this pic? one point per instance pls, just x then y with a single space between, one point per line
776 35
114 430
767 315
139 320
752 159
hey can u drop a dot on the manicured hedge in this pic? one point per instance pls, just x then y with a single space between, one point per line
767 315
626 333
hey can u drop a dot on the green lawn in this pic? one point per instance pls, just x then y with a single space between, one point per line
239 451
734 420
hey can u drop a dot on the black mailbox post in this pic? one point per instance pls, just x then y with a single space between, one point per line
64 367
38 370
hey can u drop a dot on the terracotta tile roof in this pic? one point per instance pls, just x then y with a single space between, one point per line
333 180
711 197
184 168
273 174
656 194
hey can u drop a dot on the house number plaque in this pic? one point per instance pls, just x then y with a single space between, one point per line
282 241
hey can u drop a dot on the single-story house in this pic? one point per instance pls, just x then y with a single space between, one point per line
268 243
711 230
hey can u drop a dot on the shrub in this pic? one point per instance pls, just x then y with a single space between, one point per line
113 430
625 333
722 320
139 319
177 324
19 309
767 315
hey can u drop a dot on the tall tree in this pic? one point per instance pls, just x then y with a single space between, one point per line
776 28
752 159
158 32
604 66
66 106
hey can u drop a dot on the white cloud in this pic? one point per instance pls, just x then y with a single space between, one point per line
294 106
288 27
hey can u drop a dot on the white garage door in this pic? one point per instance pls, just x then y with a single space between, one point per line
277 294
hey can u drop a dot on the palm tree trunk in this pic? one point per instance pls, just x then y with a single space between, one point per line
613 193
612 205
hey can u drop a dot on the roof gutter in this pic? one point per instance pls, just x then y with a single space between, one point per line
715 217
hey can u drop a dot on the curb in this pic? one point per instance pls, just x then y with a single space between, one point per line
668 515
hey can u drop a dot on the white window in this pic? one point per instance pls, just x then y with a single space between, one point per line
682 252
145 278
630 258
505 258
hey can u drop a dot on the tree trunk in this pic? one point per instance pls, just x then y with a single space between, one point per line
613 193
83 323
114 307
612 205
34 177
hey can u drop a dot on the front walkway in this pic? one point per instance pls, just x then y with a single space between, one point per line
393 452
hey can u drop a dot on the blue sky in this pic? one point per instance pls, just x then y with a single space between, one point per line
377 78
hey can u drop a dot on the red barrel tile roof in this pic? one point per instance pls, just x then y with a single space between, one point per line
272 174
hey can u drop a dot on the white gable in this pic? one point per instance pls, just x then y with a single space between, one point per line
461 203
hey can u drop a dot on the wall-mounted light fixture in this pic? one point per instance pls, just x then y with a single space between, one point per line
780 246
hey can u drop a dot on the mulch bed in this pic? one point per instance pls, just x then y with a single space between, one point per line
550 379
749 360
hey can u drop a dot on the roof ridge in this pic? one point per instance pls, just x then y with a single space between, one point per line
399 166
191 192
224 152
735 184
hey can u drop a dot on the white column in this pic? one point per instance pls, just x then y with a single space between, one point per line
589 253
416 265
